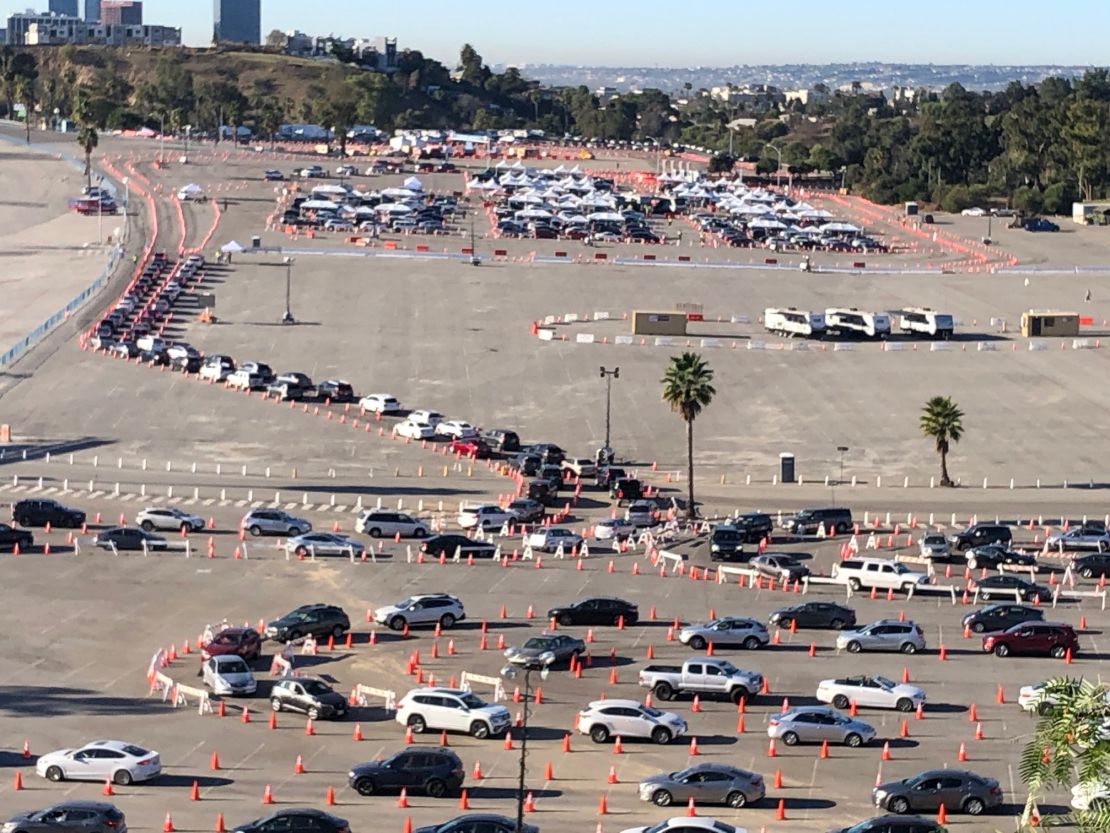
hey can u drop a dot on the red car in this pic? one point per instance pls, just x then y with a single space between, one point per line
1039 638
244 642
470 448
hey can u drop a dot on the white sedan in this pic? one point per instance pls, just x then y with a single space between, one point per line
456 429
976 211
875 692
688 824
380 403
614 529
124 763
228 674
413 430
549 539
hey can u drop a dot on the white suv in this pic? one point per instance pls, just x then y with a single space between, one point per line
485 516
379 522
380 403
549 538
426 609
168 517
422 416
605 719
880 573
453 710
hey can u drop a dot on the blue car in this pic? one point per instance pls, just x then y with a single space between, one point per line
1040 224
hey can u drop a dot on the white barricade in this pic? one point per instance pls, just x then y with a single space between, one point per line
710 342
892 347
601 316
1060 592
467 680
797 347
673 557
623 340
1082 344
664 341
939 347
185 691
740 319
156 662
1038 345
548 320
723 573
308 645
584 338
161 682
842 348
570 317
985 347
527 554
364 692
756 344
545 334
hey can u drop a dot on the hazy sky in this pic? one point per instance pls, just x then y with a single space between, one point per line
691 32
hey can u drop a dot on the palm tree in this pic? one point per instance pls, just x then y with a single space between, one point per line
687 389
25 94
942 421
88 139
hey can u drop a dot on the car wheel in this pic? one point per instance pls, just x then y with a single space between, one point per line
147 526
973 564
293 635
853 740
736 799
185 529
660 735
417 724
790 738
55 773
973 806
1001 650
662 798
854 583
599 734
374 532
122 777
337 631
837 624
313 713
435 788
275 704
446 621
419 533
256 530
909 648
24 521
1087 572
566 619
898 805
784 622
840 701
1057 651
365 786
854 647
751 643
740 693
664 691
479 729
978 627
841 528
397 623
904 704
698 643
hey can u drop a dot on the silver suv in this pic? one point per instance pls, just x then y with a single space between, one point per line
883 635
427 609
274 522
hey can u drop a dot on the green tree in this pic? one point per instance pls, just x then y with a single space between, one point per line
13 66
1069 748
688 389
88 139
473 71
942 422
25 94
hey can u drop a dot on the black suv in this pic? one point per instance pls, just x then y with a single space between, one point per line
755 526
894 824
320 620
1090 566
549 453
626 489
726 543
435 772
70 817
980 534
599 610
40 512
501 441
808 521
309 696
186 364
10 536
336 391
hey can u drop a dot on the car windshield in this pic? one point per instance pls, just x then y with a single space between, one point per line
538 644
650 712
657 828
899 567
405 604
316 687
234 666
884 682
728 667
472 701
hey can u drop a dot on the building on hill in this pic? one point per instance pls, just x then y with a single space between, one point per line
237 21
121 12
92 11
66 7
57 31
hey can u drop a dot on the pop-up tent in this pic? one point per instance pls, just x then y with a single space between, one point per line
232 248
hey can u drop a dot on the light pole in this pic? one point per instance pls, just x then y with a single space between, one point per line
778 170
843 449
528 664
287 318
161 138
609 376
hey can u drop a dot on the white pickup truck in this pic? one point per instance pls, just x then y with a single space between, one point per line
701 676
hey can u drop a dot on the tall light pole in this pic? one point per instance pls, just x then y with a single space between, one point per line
609 376
843 449
528 664
778 170
161 138
287 318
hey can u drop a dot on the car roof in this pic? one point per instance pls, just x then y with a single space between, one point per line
85 804
631 704
110 744
229 658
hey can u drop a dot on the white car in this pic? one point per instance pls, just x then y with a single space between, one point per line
605 719
217 368
1075 539
1092 795
380 403
485 516
413 430
150 342
641 513
549 539
975 211
441 609
614 529
456 429
688 824
168 517
874 692
244 379
422 416
383 522
181 351
228 674
323 543
933 545
580 466
452 710
124 763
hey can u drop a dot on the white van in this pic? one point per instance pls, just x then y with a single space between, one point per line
151 343
857 323
792 322
927 322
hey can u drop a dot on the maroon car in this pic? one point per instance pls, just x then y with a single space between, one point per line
244 642
1033 638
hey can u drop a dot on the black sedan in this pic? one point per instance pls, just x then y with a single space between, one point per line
449 545
815 615
1005 586
70 817
1093 565
597 610
10 537
295 819
1000 617
478 823
992 556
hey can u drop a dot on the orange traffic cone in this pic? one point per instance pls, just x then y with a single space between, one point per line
780 814
167 825
693 747
407 827
778 779
508 740
886 751
308 727
268 795
961 756
464 801
942 816
194 793
403 799
220 827
298 767
824 749
691 810
17 784
612 779
618 748
107 789
602 806
215 763
549 772
329 798
529 803
358 732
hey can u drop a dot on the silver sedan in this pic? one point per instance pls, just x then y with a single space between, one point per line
323 543
813 725
705 784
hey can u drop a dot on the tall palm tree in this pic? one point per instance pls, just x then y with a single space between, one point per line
942 422
687 389
88 139
25 95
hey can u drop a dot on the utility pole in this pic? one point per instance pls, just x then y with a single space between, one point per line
609 376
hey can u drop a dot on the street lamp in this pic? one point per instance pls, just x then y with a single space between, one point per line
843 449
609 376
527 664
778 170
287 318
